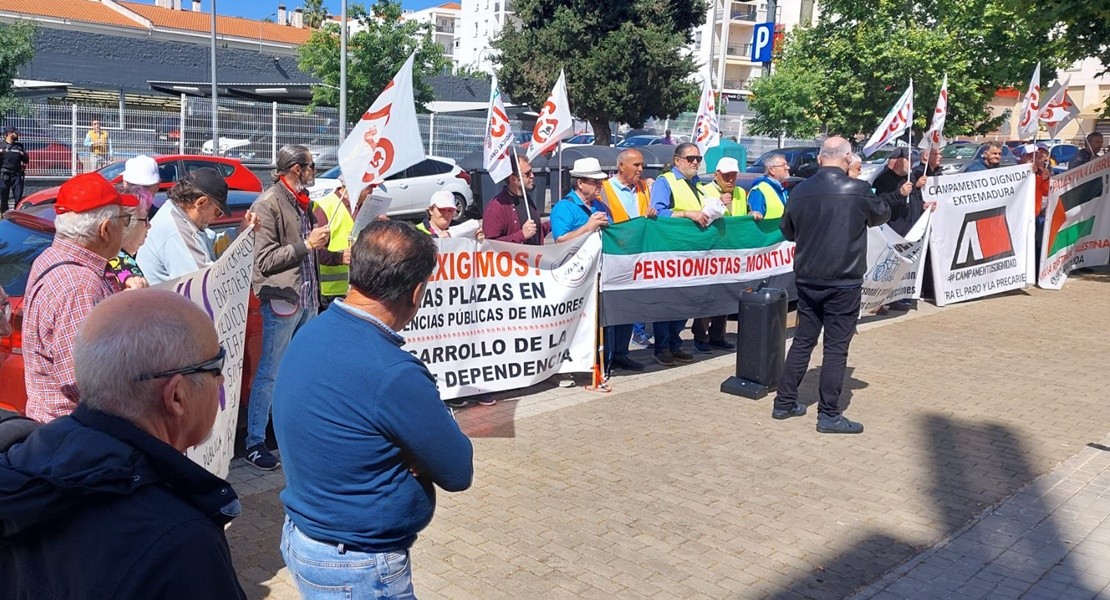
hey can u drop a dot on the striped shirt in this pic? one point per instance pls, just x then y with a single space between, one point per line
58 301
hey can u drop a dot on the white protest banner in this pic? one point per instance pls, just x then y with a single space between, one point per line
554 122
897 121
499 136
934 137
499 316
1077 222
707 133
982 232
895 265
223 291
1029 119
386 139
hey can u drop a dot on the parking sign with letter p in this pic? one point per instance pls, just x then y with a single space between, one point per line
763 42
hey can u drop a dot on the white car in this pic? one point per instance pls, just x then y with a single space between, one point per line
225 145
412 188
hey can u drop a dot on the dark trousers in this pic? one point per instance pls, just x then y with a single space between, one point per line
836 310
709 329
11 186
666 335
616 342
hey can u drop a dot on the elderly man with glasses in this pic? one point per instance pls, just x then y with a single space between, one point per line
65 283
677 194
827 218
285 281
768 195
103 502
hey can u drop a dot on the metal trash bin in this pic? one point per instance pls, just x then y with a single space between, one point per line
761 351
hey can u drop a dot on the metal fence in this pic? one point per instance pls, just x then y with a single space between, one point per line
54 133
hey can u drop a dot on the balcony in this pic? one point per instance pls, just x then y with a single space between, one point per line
744 13
445 28
740 85
743 52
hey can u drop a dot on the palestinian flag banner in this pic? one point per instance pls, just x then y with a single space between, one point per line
1077 223
671 269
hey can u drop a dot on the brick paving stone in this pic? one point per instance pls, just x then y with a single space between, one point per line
668 488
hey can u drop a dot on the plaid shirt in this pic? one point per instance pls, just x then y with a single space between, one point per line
57 305
310 286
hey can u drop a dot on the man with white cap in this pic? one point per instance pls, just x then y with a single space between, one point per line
581 212
709 332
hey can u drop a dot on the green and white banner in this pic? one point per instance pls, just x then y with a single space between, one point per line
670 269
1077 223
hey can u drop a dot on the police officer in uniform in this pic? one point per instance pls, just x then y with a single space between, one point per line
13 165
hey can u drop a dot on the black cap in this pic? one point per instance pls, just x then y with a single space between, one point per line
209 181
899 153
11 129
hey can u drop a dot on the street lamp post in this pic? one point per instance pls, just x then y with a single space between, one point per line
215 118
342 71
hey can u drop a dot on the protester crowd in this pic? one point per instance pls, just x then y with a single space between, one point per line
127 379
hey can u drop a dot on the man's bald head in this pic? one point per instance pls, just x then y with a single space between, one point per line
135 333
630 166
835 152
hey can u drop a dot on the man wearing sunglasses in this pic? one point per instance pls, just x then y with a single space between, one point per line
179 241
287 248
677 194
65 283
103 501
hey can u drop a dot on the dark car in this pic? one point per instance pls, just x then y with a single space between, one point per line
1061 154
26 232
168 133
802 160
956 158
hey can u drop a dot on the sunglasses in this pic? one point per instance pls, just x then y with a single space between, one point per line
126 218
214 366
311 165
694 158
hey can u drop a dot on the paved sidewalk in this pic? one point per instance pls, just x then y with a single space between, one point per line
667 488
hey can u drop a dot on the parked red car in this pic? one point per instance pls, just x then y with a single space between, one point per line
171 167
27 232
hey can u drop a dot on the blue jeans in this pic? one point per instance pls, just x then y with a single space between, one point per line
667 335
326 570
277 331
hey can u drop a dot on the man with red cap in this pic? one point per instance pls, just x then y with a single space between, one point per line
65 283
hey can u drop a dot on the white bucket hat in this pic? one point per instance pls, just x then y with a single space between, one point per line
588 168
141 170
728 165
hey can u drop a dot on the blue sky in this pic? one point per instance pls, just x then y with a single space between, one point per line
259 9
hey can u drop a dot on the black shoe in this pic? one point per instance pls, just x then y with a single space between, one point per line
722 344
261 458
664 358
838 424
457 403
623 362
681 356
797 410
703 347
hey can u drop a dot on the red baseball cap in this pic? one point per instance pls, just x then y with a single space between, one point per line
86 192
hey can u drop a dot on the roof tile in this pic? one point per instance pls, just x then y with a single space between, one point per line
231 26
85 11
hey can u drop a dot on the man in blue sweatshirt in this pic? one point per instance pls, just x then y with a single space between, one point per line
364 435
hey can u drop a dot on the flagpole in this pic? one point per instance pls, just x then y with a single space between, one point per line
523 190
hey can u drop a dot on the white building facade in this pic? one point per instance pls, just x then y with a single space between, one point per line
481 21
445 20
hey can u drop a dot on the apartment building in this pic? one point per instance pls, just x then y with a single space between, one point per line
480 22
445 21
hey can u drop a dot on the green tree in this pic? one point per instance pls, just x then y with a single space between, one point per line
17 49
314 13
471 72
1081 26
624 59
374 55
854 63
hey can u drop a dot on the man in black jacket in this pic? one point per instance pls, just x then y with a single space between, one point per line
13 164
827 217
103 503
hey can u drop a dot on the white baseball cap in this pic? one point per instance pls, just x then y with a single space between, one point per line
443 199
728 165
141 170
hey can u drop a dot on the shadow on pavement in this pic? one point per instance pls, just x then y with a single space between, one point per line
974 467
